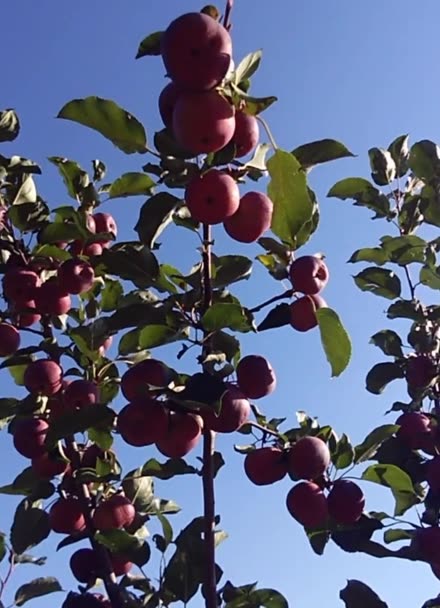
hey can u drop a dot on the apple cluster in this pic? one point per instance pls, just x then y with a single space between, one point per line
309 275
197 53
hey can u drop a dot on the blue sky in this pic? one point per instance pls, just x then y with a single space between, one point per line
359 72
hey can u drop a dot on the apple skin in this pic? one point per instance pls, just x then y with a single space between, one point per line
23 317
184 432
85 566
105 346
51 299
19 285
167 102
203 122
308 458
212 197
196 51
66 516
235 411
265 466
427 542
308 274
81 393
116 512
29 437
137 379
415 429
143 422
76 276
246 134
420 371
303 312
86 600
47 466
346 502
252 219
120 564
306 503
43 377
9 340
105 223
256 377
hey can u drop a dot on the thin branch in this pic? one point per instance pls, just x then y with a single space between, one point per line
263 429
412 288
282 296
227 18
268 132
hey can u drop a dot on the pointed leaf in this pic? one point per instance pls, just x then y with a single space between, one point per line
389 475
343 455
406 309
424 159
150 45
74 177
321 151
156 213
131 184
247 66
389 342
167 469
376 255
365 450
230 269
152 336
277 317
363 193
36 588
396 534
380 282
383 167
30 527
359 595
399 150
335 340
232 316
382 374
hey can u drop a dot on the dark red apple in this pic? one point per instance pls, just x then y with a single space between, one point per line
308 458
252 219
81 393
19 285
212 197
76 276
120 564
433 473
89 458
184 432
415 429
43 377
143 422
167 101
196 50
66 516
116 512
265 466
346 502
427 543
421 370
203 122
256 377
24 314
85 566
49 465
105 223
303 312
9 340
29 437
138 379
52 299
246 134
235 411
306 503
308 274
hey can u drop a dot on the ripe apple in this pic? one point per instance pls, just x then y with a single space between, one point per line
19 285
306 503
196 50
308 274
43 377
265 466
212 197
66 516
29 437
427 542
415 429
203 122
421 370
137 379
303 312
9 340
86 600
346 502
120 564
143 422
246 134
85 566
51 299
49 465
24 314
252 219
308 458
89 458
235 411
81 393
167 101
105 223
115 512
184 432
76 276
255 376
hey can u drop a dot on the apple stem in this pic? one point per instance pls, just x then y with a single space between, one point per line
268 132
282 296
227 18
263 429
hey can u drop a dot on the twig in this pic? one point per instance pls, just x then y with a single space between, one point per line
263 429
268 132
227 18
282 296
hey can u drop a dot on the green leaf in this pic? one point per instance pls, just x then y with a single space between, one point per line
277 317
28 217
379 281
335 340
268 598
389 475
155 215
322 151
232 316
222 342
131 184
383 167
230 269
404 502
405 250
359 595
399 150
247 67
343 455
60 231
424 159
293 206
28 484
139 488
375 255
389 342
151 336
150 45
382 374
132 262
74 177
365 450
70 423
363 193
396 534
430 277
9 125
168 469
167 531
36 588
111 295
117 541
30 527
406 309
112 121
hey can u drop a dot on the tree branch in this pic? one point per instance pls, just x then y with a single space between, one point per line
282 296
227 18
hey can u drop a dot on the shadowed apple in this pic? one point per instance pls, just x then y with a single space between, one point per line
255 376
115 512
51 299
143 422
235 411
105 222
138 379
346 502
85 566
306 503
167 102
246 134
22 314
427 542
303 312
49 465
421 370
265 466
252 219
308 458
19 285
81 393
66 516
184 432
29 437
120 564
415 429
308 274
9 340
212 197
76 276
43 377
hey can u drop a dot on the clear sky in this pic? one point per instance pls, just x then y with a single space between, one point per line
360 72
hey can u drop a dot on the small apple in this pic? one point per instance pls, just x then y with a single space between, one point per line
306 503
76 276
415 429
105 223
43 377
421 370
235 411
184 432
265 466
246 134
143 422
19 285
308 274
212 197
120 564
252 219
81 393
137 379
308 458
256 377
66 516
24 314
167 101
115 512
346 502
303 312
51 299
49 465
9 340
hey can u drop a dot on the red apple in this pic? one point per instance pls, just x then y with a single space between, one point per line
48 465
303 312
9 340
29 437
235 411
81 393
256 377
143 422
76 276
23 315
52 299
415 429
137 379
252 219
308 274
43 377
167 101
85 566
19 285
265 466
196 50
203 122
105 223
120 564
184 432
421 370
308 458
346 502
66 516
91 455
116 512
427 543
105 346
246 134
212 197
306 503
